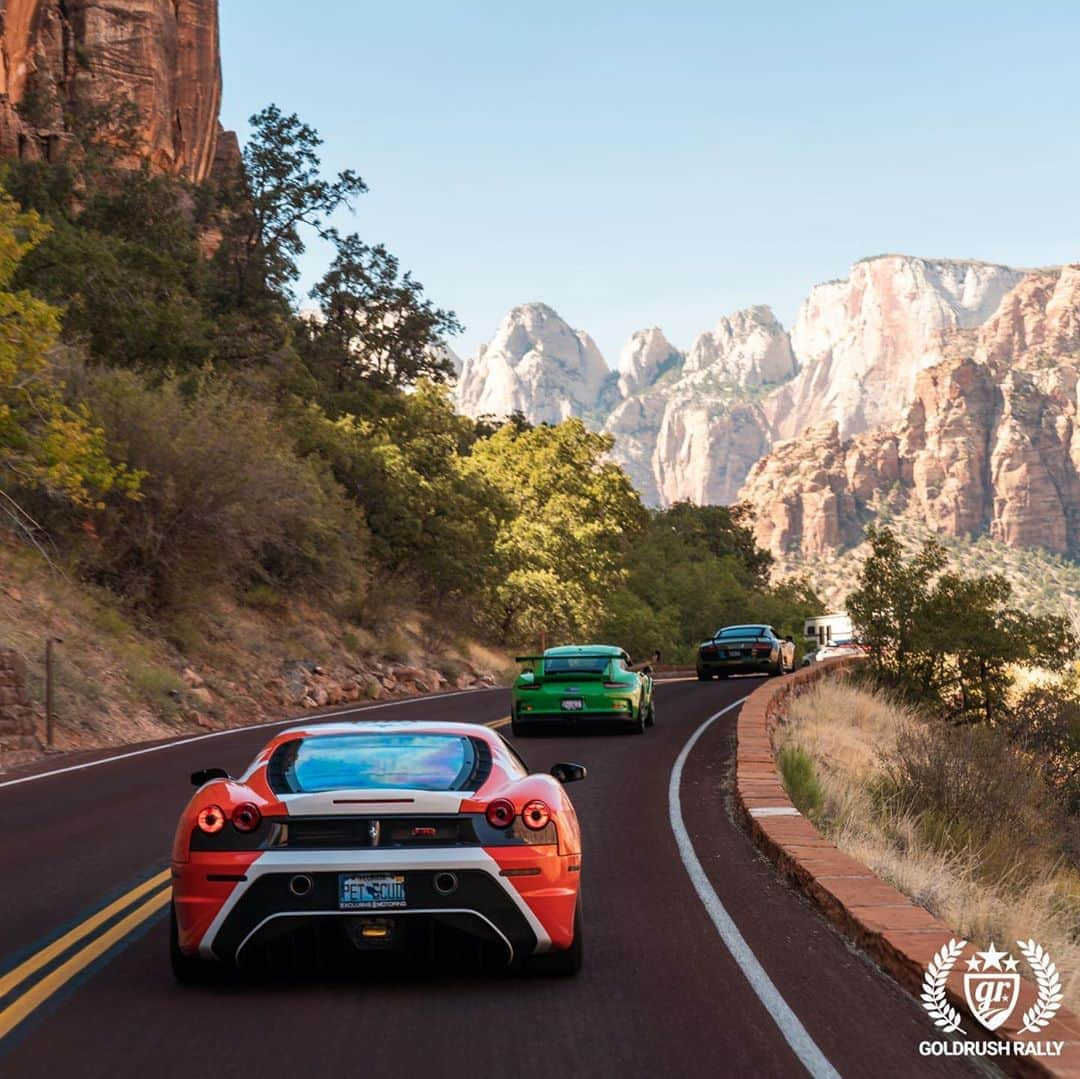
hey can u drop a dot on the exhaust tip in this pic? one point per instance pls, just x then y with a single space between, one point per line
301 885
445 883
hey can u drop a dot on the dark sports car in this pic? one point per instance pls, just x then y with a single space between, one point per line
745 650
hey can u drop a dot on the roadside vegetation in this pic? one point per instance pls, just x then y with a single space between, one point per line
950 762
177 436
1042 583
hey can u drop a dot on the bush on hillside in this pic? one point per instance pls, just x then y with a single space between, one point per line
225 502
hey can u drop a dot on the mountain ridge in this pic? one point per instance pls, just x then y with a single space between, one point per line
695 423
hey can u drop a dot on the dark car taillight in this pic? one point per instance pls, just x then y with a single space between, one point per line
246 817
762 649
708 650
500 813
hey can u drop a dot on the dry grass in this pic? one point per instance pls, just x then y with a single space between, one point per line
851 734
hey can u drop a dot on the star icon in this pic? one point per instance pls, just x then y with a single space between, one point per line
1011 965
993 957
974 963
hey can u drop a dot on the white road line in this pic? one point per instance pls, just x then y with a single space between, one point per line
294 721
795 1034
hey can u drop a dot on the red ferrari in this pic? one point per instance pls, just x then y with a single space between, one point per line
350 838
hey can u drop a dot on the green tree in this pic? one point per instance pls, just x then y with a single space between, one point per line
694 569
44 443
948 640
561 554
433 518
889 606
281 192
376 325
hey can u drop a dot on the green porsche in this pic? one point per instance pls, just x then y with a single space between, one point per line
588 682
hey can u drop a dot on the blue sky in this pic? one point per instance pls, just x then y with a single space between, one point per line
664 164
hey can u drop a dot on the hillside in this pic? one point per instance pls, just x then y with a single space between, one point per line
1042 583
124 678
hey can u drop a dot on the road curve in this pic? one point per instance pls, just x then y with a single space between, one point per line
661 993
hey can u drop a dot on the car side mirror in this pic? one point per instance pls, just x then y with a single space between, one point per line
790 640
647 669
204 775
568 773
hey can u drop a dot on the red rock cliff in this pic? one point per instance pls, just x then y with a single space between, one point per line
990 444
163 55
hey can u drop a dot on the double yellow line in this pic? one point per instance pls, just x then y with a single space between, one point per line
157 891
150 896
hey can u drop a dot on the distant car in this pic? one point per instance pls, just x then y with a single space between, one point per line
752 649
834 651
582 684
348 839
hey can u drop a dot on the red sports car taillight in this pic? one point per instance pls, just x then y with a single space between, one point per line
536 815
500 813
211 820
246 817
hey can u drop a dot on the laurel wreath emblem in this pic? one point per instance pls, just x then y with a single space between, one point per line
937 974
1046 978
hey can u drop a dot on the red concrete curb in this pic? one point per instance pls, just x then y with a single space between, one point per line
900 936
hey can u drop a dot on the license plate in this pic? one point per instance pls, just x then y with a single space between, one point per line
573 704
362 891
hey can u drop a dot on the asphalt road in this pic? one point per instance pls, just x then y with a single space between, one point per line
660 995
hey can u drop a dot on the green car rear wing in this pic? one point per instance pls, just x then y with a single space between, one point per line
539 675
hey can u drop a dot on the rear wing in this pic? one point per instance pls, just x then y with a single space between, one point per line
538 666
576 655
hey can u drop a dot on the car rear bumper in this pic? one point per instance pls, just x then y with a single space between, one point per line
483 903
627 715
737 665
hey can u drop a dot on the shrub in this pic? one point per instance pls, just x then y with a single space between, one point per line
974 792
1046 722
225 498
800 780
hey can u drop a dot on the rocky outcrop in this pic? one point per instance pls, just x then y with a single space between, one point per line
536 365
748 350
862 342
63 58
989 443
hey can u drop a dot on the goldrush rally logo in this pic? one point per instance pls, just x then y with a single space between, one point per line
992 991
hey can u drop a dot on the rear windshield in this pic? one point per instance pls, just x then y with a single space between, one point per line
576 664
426 762
742 631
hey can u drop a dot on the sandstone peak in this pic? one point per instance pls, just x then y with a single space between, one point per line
749 348
646 357
536 364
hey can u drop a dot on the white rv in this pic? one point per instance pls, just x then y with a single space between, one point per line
825 629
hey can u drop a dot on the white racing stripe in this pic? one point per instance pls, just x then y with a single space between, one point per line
293 721
795 1034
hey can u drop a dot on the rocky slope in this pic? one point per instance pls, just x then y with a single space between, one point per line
988 445
691 425
64 57
120 680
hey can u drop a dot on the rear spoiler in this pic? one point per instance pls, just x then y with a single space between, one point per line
576 655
